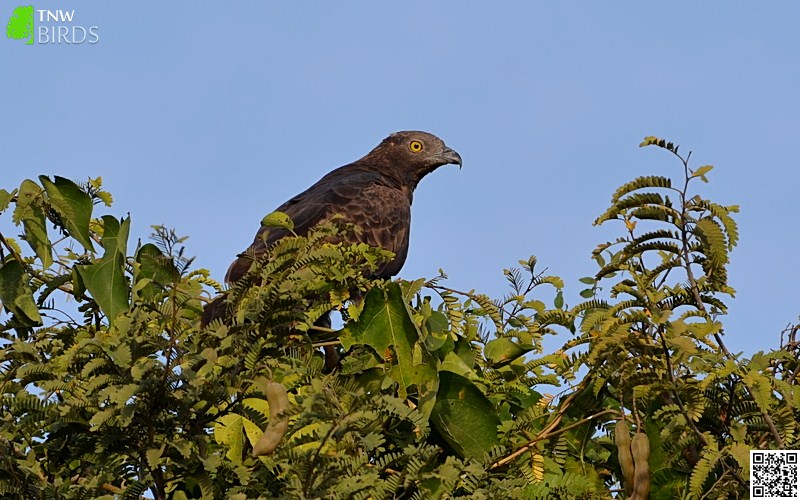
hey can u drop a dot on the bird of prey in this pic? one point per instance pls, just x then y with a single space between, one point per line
373 193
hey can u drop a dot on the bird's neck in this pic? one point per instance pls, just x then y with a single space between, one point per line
392 177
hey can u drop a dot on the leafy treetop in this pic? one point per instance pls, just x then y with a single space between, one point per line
441 393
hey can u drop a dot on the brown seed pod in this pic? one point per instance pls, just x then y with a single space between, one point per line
278 420
622 437
640 449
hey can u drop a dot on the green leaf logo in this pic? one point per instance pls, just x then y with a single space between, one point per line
20 25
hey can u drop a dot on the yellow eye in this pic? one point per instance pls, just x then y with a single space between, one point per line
415 146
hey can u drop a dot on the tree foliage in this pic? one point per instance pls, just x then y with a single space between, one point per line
110 388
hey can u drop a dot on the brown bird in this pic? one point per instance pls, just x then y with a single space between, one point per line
373 193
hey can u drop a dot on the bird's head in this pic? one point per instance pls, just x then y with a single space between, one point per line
413 154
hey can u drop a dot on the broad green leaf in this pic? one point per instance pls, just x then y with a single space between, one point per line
503 350
74 206
436 340
30 195
464 417
427 382
463 349
437 327
30 213
5 199
105 279
252 431
16 294
228 432
385 324
558 302
115 235
453 363
36 235
152 272
78 287
278 219
153 264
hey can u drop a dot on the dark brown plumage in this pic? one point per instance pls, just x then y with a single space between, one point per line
373 193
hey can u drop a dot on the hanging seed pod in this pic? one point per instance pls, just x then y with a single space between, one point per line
640 449
278 420
622 437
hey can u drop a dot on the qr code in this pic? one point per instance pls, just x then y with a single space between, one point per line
773 474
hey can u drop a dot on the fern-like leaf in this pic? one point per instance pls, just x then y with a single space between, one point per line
710 232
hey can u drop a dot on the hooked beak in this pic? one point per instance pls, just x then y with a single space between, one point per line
450 156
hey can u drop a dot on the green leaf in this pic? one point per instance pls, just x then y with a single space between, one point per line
385 322
710 232
16 294
30 212
502 351
122 394
74 206
5 199
761 390
558 302
648 181
741 452
648 141
464 417
228 431
427 382
438 322
100 418
453 363
115 235
152 455
252 431
701 172
588 280
36 235
710 456
278 219
105 279
155 265
78 286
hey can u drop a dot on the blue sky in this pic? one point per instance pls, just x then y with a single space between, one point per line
206 116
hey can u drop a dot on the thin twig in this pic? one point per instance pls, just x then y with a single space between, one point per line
548 433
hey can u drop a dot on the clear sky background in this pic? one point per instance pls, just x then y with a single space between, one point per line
206 116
